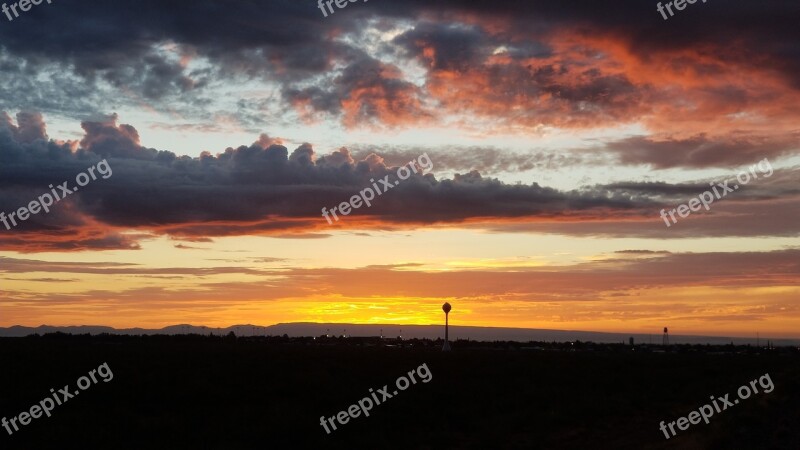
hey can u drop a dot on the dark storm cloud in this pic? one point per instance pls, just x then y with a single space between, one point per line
266 189
121 46
250 189
766 30
456 46
366 91
289 42
459 48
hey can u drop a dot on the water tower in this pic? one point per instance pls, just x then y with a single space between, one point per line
665 339
446 308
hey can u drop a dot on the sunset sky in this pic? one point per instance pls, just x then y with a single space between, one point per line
557 132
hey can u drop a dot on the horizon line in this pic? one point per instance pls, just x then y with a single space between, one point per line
629 333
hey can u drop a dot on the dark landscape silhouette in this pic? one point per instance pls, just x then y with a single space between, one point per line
228 392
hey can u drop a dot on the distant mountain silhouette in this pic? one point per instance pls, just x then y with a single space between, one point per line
393 331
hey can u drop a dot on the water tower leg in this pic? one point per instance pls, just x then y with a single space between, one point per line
446 347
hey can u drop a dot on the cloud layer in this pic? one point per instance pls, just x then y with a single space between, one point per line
265 189
712 86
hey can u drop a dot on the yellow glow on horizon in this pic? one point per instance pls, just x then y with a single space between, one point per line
265 281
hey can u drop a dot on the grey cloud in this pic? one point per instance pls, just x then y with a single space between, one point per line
702 151
265 188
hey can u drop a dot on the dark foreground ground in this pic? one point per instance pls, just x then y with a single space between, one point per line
258 393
